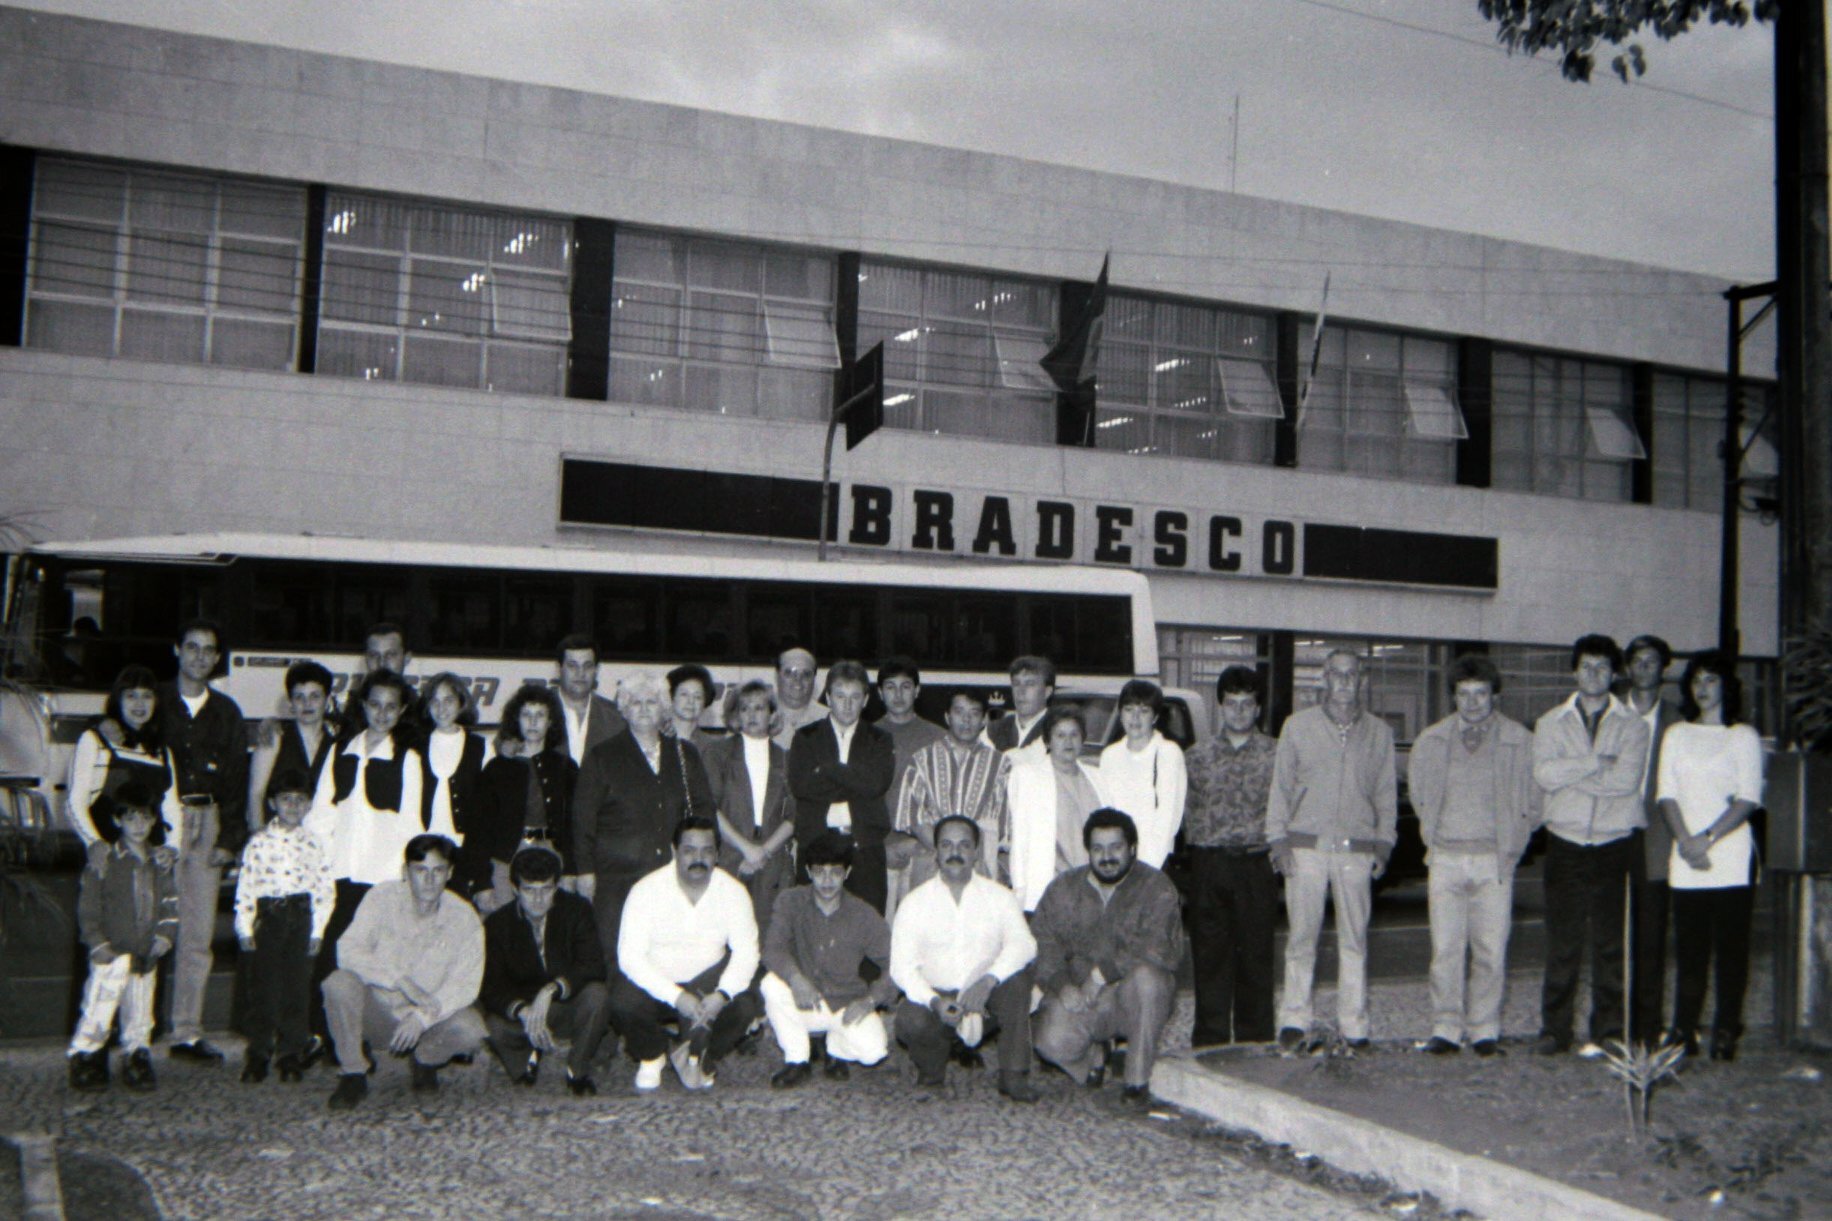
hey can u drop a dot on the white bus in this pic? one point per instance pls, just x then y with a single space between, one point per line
76 612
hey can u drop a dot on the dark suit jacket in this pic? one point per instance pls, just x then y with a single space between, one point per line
604 724
512 968
1003 733
731 785
818 779
210 755
624 813
1659 839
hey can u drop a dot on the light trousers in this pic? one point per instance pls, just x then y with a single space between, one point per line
356 1013
1346 878
1135 1009
199 886
862 1042
1471 897
113 986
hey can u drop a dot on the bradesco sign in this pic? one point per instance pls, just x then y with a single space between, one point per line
998 526
927 520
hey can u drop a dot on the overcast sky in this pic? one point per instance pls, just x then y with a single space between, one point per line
1341 105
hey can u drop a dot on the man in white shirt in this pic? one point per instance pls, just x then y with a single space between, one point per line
590 718
962 953
687 955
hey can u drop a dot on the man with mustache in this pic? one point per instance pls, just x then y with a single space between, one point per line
962 954
687 953
1109 938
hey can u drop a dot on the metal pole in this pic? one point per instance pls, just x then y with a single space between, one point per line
1730 546
833 426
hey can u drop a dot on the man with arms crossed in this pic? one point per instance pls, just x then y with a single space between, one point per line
1588 755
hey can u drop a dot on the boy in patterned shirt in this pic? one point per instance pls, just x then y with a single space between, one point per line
282 903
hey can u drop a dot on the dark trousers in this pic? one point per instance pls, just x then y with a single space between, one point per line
349 898
648 1025
582 1019
1585 888
1711 929
280 977
928 1039
1234 900
609 890
1649 972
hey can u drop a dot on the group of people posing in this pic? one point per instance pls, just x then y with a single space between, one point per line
608 870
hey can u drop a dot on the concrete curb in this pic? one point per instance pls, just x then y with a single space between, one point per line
1460 1180
44 1193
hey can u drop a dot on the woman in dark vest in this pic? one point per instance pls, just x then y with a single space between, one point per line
528 793
633 789
452 756
98 769
368 804
301 743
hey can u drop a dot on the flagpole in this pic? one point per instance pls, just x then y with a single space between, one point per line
833 426
1316 350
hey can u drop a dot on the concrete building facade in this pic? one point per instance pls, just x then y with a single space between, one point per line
257 289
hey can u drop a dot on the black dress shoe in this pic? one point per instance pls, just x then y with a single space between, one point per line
1487 1048
532 1072
197 1051
1017 1087
1138 1096
291 1069
791 1075
1440 1046
137 1071
315 1049
1724 1047
254 1069
837 1070
425 1078
351 1089
965 1056
581 1087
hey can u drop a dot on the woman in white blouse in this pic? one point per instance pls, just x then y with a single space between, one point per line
1050 800
1710 782
1142 773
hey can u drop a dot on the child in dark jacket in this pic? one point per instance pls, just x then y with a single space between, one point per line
127 912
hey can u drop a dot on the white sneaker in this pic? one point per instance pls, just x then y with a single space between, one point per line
1589 1051
649 1075
972 1029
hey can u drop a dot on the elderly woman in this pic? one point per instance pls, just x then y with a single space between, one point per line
690 692
452 757
528 792
632 790
1142 772
1710 782
1050 800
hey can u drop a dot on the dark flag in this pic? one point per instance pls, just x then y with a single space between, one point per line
865 396
1071 365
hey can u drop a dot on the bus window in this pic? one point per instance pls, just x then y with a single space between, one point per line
367 596
624 617
1103 635
921 626
293 606
777 618
986 633
463 612
701 624
537 613
847 624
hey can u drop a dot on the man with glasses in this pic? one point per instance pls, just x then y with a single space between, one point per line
795 702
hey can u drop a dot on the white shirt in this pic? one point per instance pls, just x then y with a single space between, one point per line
839 814
89 770
1704 768
939 945
757 767
444 752
576 725
1150 785
666 939
361 843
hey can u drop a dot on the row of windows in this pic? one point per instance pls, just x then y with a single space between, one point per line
154 265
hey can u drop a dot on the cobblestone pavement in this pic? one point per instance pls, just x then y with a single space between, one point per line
871 1147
